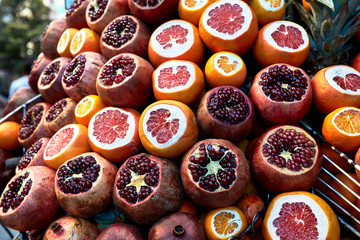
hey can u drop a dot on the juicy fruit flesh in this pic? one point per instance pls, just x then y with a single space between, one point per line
63 40
288 36
78 175
174 34
226 223
138 179
59 141
274 3
97 8
50 73
148 3
225 64
30 122
84 106
116 71
120 31
159 127
17 191
30 154
287 148
343 78
228 106
212 167
75 5
350 82
348 121
172 78
55 110
74 71
280 83
78 40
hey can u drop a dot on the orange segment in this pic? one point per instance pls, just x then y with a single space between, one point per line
63 47
85 40
191 10
87 107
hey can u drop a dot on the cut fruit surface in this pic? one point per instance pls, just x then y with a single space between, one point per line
87 107
63 47
191 10
86 40
268 10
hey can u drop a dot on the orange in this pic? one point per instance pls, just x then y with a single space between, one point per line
188 207
85 40
268 10
225 68
222 223
63 47
191 10
306 6
87 107
300 215
341 128
9 135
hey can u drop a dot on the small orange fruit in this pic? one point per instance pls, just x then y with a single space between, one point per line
225 68
306 6
188 207
63 47
222 223
85 40
9 135
341 128
87 107
191 10
268 10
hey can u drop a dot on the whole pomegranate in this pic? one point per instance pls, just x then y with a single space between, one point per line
119 231
34 155
76 14
50 38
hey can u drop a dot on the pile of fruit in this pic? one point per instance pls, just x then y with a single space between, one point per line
172 119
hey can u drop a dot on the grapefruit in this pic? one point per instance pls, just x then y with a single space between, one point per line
191 10
268 10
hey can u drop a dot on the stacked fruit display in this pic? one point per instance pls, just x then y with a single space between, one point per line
151 109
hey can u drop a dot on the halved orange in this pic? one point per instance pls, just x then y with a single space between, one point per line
225 68
223 223
268 10
63 47
85 40
341 128
87 107
191 10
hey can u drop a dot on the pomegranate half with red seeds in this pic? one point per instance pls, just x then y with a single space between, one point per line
34 155
281 93
226 112
83 184
147 187
79 79
28 201
49 83
32 125
50 38
36 69
120 231
125 34
76 14
60 114
286 158
100 13
125 81
214 173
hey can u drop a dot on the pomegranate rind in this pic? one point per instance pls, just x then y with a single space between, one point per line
51 38
95 200
38 66
275 179
77 145
186 136
120 231
221 197
30 214
77 19
328 225
121 148
166 196
275 112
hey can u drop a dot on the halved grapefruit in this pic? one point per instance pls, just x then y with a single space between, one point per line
191 10
268 10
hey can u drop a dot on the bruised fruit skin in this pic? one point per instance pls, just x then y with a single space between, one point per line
38 66
118 231
51 38
76 14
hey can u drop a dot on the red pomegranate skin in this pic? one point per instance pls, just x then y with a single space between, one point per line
39 206
51 38
164 229
276 112
77 19
38 66
120 231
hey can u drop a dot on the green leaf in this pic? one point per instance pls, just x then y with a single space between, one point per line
328 3
327 30
106 217
340 19
103 225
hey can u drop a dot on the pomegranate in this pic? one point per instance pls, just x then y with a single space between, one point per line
226 112
76 14
34 155
119 79
154 12
125 34
69 227
37 68
119 231
286 158
100 13
281 93
251 205
214 173
32 125
28 201
49 83
79 79
83 184
147 187
60 114
177 225
50 38
5 177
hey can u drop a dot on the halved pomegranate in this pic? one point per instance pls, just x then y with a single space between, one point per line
60 114
50 38
49 83
125 34
147 187
83 184
79 79
286 158
120 231
28 201
282 93
32 125
226 112
214 173
76 14
37 68
125 81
